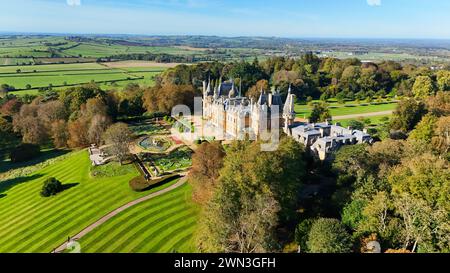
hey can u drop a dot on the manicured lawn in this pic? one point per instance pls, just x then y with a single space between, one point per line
31 223
163 224
374 121
343 110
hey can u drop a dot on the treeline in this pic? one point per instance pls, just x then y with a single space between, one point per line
159 58
73 118
319 78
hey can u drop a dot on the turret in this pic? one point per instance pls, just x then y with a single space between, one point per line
216 93
204 87
262 98
289 110
232 92
208 89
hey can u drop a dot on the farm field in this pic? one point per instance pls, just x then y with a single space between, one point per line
31 223
163 224
63 75
97 50
343 110
377 56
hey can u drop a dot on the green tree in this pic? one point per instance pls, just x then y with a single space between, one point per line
320 112
425 177
408 113
353 160
256 192
352 213
425 129
301 234
356 125
423 87
443 80
328 236
51 187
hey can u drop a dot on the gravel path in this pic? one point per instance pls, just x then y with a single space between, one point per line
113 213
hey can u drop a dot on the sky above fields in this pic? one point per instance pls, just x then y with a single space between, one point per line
282 18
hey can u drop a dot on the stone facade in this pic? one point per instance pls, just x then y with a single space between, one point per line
235 116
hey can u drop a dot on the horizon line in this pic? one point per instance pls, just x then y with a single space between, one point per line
217 35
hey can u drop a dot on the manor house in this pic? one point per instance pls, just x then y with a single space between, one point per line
235 116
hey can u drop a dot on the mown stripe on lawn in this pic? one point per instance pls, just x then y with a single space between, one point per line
155 231
115 231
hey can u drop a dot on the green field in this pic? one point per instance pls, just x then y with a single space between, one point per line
349 109
63 75
163 224
378 56
31 223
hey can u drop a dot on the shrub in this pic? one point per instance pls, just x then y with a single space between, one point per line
356 125
24 152
139 183
51 187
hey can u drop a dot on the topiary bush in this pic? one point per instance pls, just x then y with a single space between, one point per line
24 152
51 187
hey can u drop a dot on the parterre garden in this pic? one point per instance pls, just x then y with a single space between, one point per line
176 160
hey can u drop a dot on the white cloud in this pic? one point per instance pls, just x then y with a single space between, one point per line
374 2
74 3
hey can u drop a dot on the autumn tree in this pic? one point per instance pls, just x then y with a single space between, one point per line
78 133
206 164
439 105
255 91
59 133
162 98
441 138
98 125
119 136
11 107
30 125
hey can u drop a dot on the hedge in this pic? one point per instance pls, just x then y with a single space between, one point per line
139 183
24 152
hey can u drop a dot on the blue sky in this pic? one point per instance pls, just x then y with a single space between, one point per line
282 18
